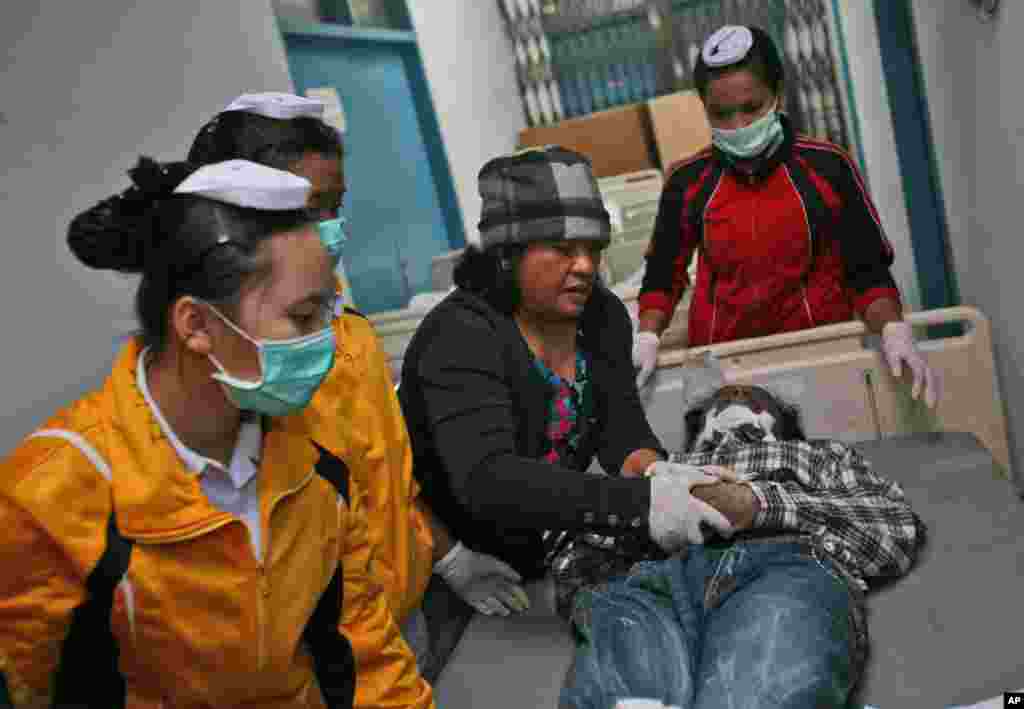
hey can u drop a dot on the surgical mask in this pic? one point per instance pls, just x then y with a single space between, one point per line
749 141
290 371
333 237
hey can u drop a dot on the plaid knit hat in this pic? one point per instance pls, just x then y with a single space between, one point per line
539 194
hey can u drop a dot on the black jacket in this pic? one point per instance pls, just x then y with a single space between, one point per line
476 408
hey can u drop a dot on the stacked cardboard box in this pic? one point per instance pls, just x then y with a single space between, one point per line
655 134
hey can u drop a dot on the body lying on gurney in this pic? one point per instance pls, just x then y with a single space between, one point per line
940 636
754 553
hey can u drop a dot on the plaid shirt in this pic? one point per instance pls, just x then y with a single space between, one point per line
824 491
828 491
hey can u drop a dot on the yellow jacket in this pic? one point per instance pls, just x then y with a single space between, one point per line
356 407
198 621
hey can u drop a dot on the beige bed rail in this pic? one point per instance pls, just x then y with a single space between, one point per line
845 389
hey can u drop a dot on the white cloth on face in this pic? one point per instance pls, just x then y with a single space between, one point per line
733 417
727 45
248 184
275 104
233 489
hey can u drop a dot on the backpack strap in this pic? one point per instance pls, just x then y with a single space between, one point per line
87 672
352 311
334 662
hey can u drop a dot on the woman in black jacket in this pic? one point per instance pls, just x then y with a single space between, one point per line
515 382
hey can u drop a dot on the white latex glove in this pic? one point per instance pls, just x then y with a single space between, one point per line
676 515
488 584
643 704
645 356
899 348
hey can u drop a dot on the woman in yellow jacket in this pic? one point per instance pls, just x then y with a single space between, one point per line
175 538
357 404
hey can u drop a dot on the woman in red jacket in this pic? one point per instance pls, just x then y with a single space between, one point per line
787 233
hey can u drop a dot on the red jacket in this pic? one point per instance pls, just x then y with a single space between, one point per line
797 244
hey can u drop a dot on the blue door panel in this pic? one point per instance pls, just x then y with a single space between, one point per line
394 210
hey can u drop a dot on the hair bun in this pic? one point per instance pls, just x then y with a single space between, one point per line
116 233
156 180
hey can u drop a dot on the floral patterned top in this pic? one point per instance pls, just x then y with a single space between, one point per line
566 406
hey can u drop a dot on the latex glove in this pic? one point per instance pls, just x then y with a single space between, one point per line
676 515
643 704
488 584
899 348
645 356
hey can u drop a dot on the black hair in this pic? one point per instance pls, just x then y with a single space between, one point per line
762 60
275 142
788 422
492 274
181 244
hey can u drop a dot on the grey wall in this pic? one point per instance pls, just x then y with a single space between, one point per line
976 103
87 87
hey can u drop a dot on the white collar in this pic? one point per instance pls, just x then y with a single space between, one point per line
244 460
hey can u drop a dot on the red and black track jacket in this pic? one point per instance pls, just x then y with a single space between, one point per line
796 244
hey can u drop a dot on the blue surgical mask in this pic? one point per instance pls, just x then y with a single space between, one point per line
749 141
333 237
290 371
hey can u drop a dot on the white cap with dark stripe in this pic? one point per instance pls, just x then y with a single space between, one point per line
727 45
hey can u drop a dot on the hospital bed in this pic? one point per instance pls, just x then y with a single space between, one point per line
950 632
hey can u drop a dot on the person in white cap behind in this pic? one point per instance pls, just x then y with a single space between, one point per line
787 235
357 402
184 536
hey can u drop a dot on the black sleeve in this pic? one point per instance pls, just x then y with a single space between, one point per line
627 428
672 242
470 411
866 252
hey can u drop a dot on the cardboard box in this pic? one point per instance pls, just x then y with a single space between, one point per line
680 126
617 141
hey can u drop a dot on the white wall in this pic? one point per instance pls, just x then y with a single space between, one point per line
470 66
972 73
88 87
857 19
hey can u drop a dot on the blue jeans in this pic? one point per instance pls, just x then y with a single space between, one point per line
737 626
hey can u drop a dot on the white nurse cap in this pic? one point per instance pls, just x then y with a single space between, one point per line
727 45
248 184
273 104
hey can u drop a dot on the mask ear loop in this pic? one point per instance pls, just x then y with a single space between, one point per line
224 375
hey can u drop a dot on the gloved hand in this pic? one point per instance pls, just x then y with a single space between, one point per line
645 356
899 348
676 515
488 584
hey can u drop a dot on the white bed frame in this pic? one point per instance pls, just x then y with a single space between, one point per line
846 391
